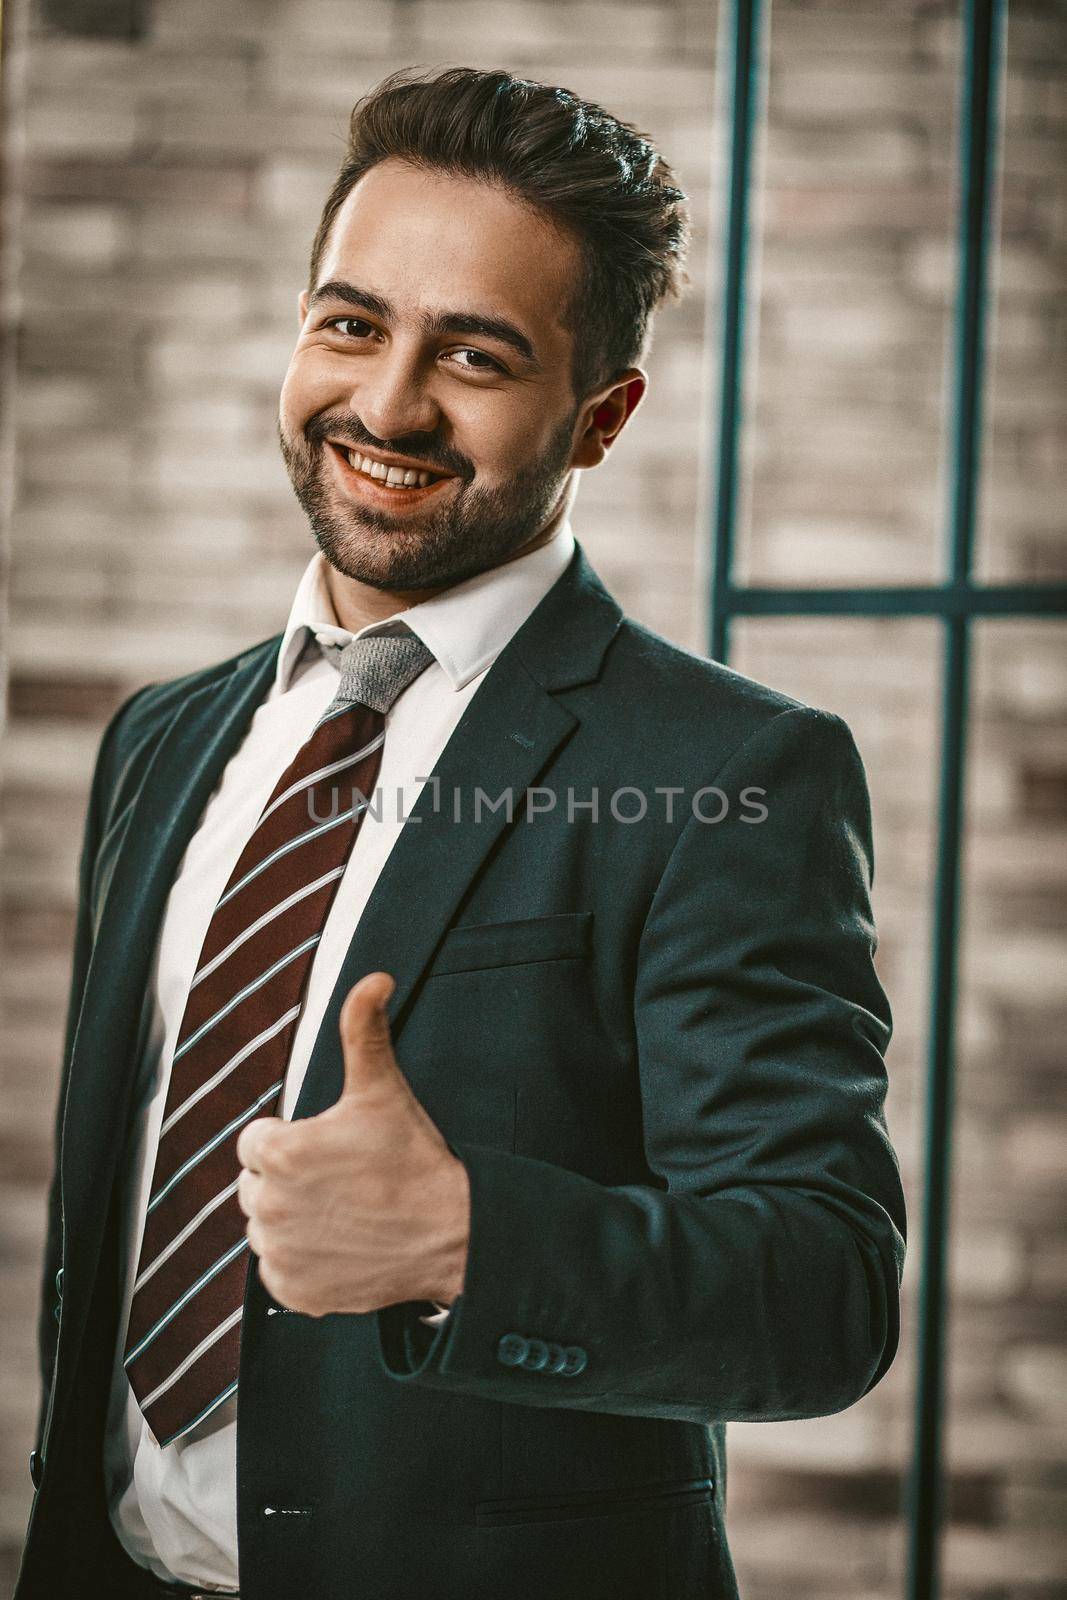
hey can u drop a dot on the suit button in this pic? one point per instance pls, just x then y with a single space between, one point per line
536 1354
511 1350
557 1358
35 1467
59 1283
575 1360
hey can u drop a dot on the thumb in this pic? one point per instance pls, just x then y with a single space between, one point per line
365 1037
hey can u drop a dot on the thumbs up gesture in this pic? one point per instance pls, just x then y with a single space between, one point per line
365 1205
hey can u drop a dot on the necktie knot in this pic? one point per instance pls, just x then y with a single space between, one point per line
376 668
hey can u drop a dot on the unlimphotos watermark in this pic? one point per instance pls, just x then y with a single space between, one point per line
628 804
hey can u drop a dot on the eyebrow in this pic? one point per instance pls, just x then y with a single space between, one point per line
433 323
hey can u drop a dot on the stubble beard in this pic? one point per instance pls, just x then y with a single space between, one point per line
476 529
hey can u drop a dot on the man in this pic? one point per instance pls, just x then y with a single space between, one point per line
474 1076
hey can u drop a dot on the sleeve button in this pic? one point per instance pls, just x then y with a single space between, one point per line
557 1358
536 1355
575 1361
511 1350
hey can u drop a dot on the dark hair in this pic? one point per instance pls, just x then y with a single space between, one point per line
571 160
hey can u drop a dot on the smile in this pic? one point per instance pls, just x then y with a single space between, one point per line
377 481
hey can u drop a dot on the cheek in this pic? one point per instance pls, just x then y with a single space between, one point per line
306 389
502 439
291 405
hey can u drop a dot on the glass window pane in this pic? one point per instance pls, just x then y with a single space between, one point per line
854 293
1006 1444
1021 529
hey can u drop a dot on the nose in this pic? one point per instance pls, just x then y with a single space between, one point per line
393 398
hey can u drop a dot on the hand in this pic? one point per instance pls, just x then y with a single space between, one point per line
365 1205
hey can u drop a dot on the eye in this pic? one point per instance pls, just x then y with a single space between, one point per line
490 364
337 323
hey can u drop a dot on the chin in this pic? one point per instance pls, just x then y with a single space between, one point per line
373 559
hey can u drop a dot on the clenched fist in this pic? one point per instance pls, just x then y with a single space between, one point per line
365 1205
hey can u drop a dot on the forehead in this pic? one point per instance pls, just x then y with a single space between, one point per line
433 241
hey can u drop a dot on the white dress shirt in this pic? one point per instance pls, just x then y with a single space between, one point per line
175 1510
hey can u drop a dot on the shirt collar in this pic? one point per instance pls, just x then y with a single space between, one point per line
466 626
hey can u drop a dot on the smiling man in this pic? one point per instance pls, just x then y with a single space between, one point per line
473 1087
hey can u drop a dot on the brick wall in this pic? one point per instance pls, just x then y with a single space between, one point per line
169 180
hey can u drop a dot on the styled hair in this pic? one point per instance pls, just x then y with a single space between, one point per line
570 160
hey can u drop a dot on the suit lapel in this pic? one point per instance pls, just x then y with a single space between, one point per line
435 858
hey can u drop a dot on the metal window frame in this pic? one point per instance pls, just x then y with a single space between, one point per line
956 602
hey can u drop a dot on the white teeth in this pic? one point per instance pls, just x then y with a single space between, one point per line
392 477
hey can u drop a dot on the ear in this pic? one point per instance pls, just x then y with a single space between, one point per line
605 414
303 304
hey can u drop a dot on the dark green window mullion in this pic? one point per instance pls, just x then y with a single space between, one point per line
946 600
741 36
983 31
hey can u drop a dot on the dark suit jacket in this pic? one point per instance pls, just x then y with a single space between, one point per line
658 1048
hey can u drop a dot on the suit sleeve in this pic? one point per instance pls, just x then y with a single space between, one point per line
47 1322
759 1280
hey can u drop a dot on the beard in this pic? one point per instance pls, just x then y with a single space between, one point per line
478 528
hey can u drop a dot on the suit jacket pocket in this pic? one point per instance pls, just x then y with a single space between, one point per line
561 937
593 1503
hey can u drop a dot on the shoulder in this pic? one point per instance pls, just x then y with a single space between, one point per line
690 703
705 724
662 667
142 716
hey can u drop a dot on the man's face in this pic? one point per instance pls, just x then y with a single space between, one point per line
432 335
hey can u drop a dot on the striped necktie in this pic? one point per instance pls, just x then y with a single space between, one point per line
183 1338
